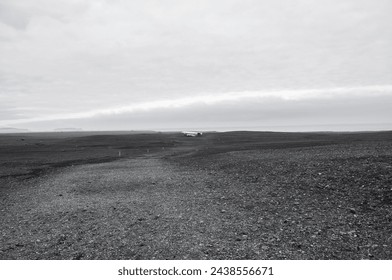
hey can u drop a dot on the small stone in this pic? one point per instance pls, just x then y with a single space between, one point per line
78 256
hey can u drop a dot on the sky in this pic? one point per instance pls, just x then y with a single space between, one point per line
283 65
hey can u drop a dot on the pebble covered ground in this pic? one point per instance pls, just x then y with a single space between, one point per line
330 201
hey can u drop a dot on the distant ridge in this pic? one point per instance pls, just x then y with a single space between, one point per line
12 130
68 129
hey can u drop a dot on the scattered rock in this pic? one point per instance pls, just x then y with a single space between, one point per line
77 256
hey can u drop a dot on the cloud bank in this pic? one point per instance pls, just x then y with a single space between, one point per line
89 59
297 108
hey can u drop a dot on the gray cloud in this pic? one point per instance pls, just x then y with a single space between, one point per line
13 17
76 56
272 113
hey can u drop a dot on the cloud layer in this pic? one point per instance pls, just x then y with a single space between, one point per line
75 59
351 108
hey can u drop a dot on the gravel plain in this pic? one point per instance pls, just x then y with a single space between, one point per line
221 196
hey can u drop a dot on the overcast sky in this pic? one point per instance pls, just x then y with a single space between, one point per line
216 64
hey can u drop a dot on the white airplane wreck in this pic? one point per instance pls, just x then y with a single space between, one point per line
192 133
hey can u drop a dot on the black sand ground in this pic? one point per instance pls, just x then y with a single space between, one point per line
238 195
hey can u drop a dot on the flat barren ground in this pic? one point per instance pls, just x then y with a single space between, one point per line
235 195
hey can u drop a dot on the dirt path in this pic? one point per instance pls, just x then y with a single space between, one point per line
141 208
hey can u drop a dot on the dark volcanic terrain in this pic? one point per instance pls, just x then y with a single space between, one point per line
234 195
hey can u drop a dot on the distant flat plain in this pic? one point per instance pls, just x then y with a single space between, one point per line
231 195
